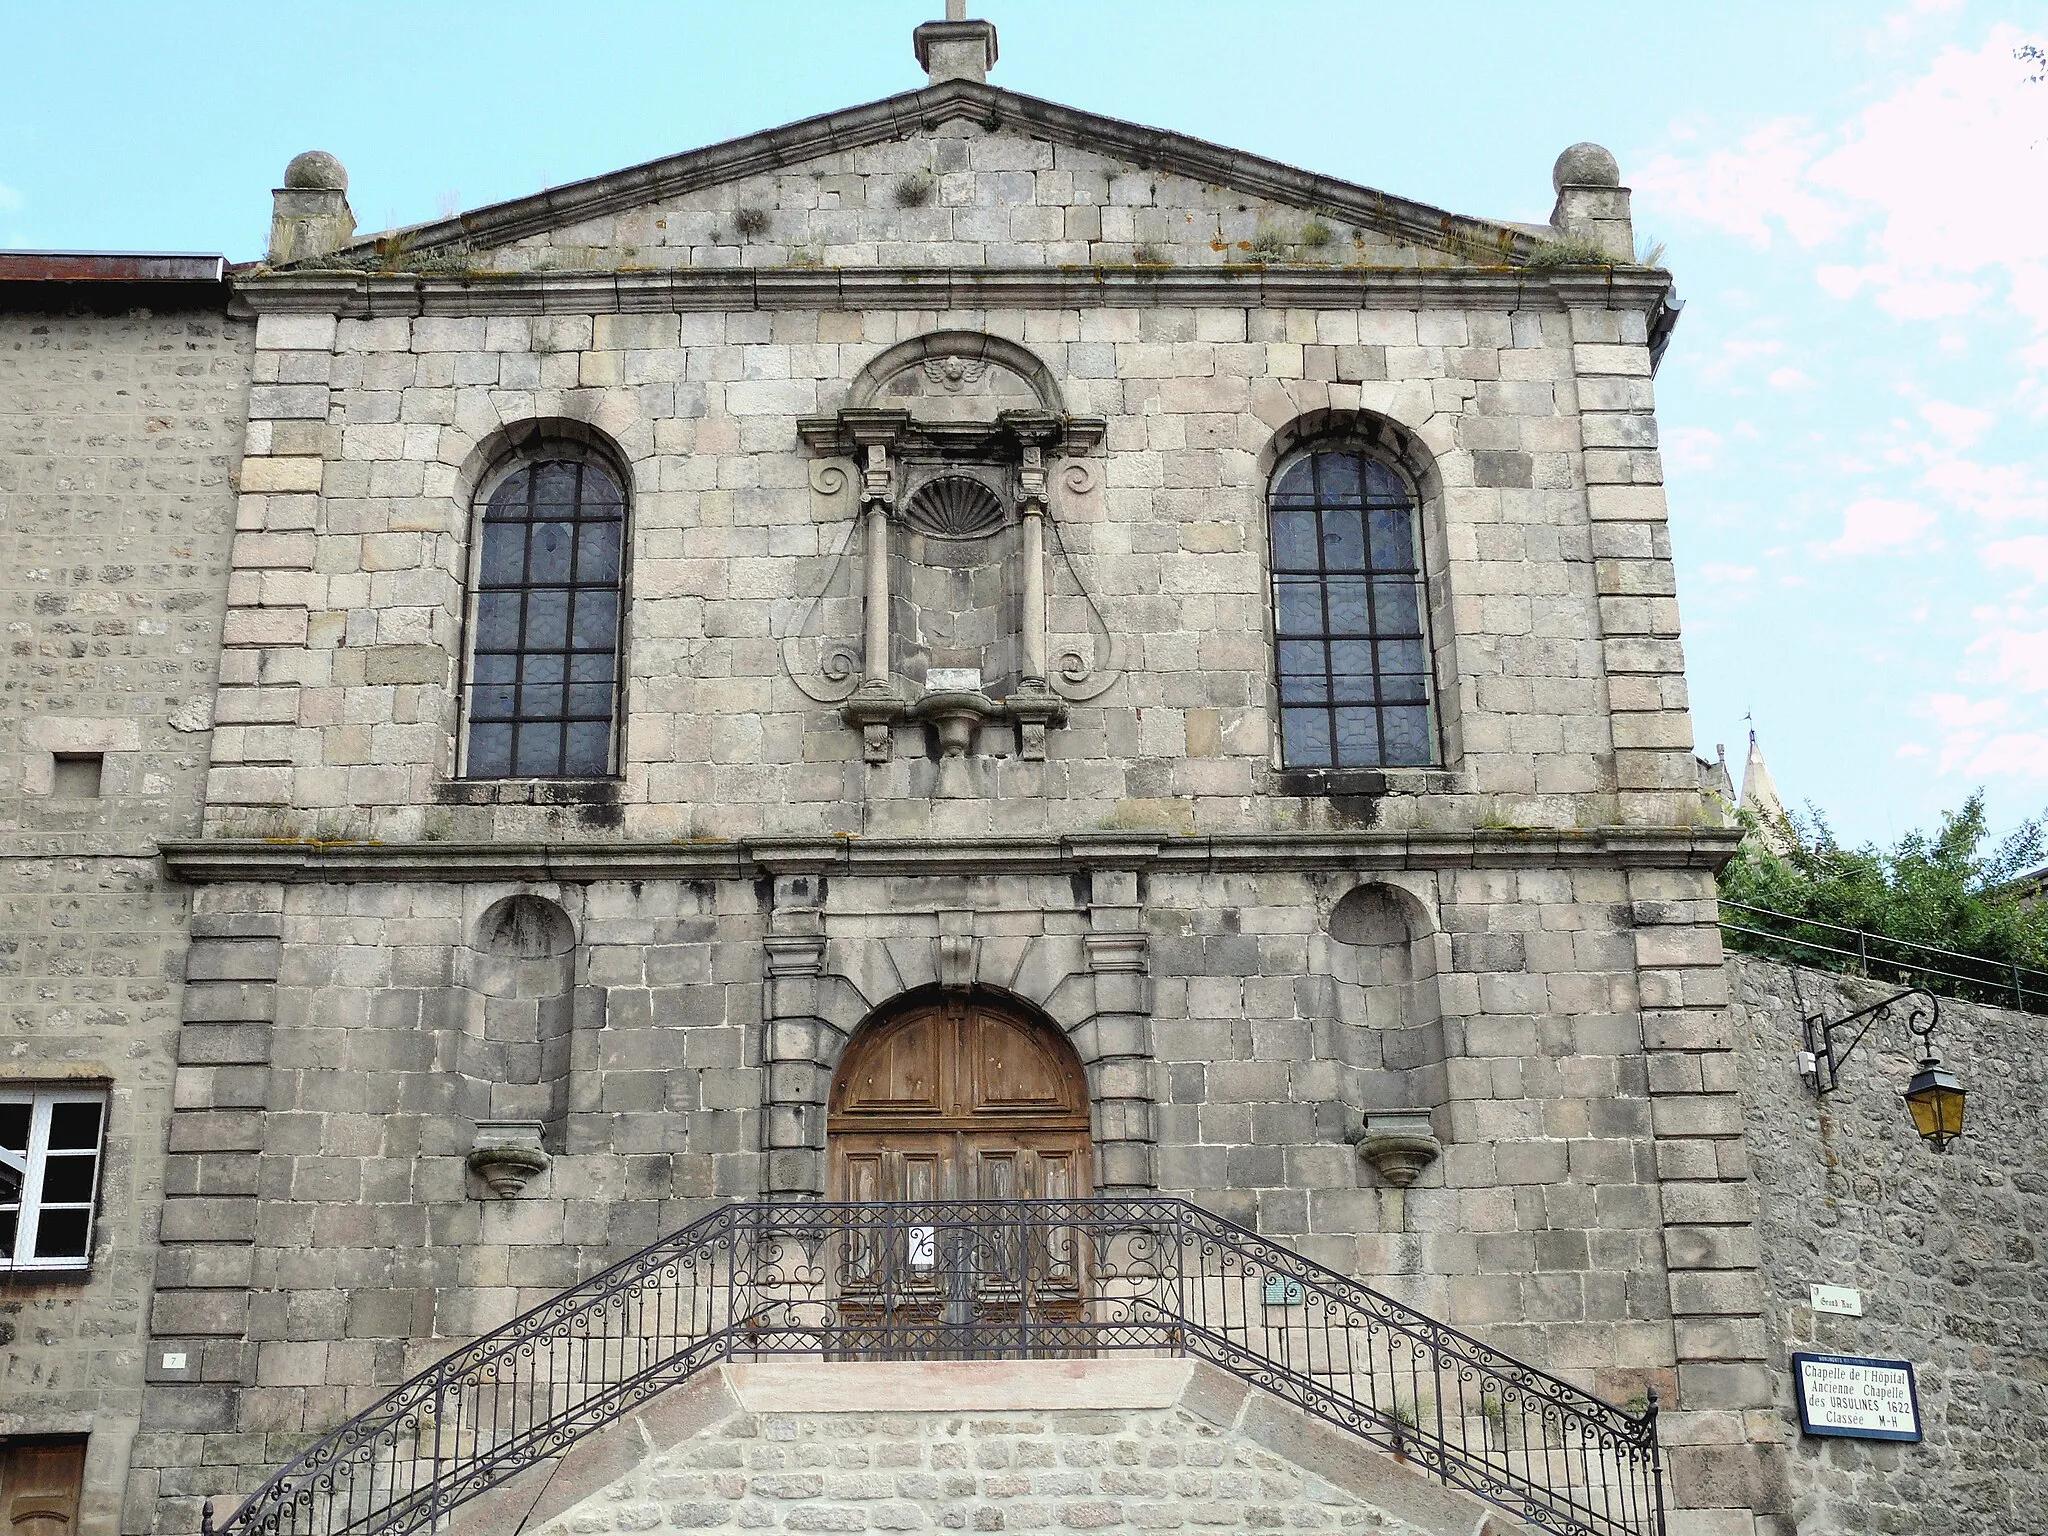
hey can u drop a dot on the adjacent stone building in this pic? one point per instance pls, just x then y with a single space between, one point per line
123 387
956 648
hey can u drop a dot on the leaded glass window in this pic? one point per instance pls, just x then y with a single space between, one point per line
544 654
1350 620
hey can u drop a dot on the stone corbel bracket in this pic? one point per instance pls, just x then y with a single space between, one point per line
1399 1143
507 1156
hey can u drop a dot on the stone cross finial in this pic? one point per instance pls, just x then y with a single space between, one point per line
956 48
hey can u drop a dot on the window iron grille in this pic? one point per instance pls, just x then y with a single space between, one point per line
543 684
1350 618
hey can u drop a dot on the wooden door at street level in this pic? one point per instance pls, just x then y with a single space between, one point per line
960 1098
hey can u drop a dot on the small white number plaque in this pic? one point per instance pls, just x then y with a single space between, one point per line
174 1360
1862 1399
1842 1300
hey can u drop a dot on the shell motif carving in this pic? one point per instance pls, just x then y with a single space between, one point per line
955 507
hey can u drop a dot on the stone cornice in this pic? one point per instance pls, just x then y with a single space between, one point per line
897 117
218 860
369 295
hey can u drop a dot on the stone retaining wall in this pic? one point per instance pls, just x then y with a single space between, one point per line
1945 1248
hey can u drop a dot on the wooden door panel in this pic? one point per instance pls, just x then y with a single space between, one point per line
959 1099
40 1487
903 1071
1013 1071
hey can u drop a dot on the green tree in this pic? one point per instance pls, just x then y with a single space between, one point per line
1943 888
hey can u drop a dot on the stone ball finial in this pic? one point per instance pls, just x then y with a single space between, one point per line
1585 165
317 171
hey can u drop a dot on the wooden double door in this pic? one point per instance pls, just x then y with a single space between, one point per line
959 1098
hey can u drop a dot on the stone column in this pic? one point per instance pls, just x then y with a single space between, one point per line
875 647
1592 204
1118 1039
202 1350
793 1110
875 705
1631 546
1721 1436
1034 591
1033 704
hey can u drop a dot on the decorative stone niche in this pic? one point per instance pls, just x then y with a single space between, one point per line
516 982
953 439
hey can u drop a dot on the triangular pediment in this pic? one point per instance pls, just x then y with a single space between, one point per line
956 175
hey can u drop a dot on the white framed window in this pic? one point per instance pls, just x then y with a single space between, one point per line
49 1175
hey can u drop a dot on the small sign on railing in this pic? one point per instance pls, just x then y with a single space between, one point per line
1855 1397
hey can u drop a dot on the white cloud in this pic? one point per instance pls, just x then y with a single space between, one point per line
1788 378
1875 524
1997 492
1935 185
1961 425
1903 25
2018 657
1691 450
1735 575
2010 754
11 201
1753 190
2028 555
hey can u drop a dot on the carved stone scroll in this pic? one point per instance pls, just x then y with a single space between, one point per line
821 657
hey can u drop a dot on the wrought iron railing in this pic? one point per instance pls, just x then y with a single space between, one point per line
1900 962
1026 1279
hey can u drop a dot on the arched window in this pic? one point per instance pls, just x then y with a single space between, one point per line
1350 620
544 622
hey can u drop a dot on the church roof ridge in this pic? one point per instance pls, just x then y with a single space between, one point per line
901 115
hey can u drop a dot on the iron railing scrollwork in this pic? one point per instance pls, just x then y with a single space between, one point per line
980 1280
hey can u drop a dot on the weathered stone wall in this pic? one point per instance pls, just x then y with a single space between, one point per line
119 436
333 1239
959 195
1119 1444
1560 685
1560 990
1946 1249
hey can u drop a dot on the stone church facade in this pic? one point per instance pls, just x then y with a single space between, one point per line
958 648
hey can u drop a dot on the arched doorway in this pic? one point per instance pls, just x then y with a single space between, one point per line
959 1096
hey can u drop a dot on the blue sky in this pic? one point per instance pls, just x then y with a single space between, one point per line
1851 195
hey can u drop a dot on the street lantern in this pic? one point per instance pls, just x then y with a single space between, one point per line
1934 1097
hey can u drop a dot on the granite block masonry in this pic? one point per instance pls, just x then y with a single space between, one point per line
935 668
122 393
823 806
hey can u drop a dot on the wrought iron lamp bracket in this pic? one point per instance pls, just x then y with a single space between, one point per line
1822 1060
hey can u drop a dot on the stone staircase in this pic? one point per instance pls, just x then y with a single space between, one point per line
849 1366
